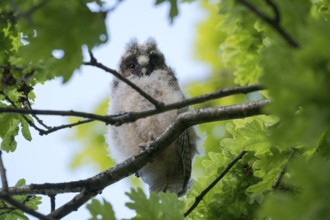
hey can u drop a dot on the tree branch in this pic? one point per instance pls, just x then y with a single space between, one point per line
30 122
277 17
28 105
52 202
3 175
184 120
283 171
4 195
74 204
56 128
24 208
273 22
89 187
95 63
199 198
133 116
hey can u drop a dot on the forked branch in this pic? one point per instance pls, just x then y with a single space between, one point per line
88 188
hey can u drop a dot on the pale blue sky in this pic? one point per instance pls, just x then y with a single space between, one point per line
47 158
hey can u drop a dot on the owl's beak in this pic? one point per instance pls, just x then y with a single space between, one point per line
144 71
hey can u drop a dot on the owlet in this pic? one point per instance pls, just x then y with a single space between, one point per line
145 66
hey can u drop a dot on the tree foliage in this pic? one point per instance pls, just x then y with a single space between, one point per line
281 44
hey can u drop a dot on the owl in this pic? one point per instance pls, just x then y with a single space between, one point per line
145 66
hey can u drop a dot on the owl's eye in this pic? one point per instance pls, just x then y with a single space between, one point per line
132 66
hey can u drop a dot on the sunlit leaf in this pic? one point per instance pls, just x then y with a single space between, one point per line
101 211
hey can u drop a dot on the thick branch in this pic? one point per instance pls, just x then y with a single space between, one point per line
199 198
133 164
91 186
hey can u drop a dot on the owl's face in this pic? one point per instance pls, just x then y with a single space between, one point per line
142 59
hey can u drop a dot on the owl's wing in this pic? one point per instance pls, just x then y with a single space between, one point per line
185 150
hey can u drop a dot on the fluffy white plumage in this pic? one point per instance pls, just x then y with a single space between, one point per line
169 171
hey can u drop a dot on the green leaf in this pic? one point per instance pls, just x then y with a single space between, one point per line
9 143
173 8
20 182
25 130
58 26
267 168
299 92
7 212
312 182
163 206
249 134
101 211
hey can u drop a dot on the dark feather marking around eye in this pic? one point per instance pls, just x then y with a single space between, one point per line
156 59
131 62
132 66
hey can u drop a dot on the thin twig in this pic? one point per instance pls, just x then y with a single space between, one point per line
52 202
7 198
277 17
283 171
48 128
273 22
95 63
30 122
24 208
199 198
3 175
55 112
29 106
73 204
11 67
56 128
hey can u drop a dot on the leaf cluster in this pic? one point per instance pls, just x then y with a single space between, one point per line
8 212
32 33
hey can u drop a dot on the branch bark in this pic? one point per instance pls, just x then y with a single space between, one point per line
4 195
3 175
133 116
283 171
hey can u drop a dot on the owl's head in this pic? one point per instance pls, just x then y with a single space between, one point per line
142 59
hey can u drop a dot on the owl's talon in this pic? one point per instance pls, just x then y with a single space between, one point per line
143 147
151 137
